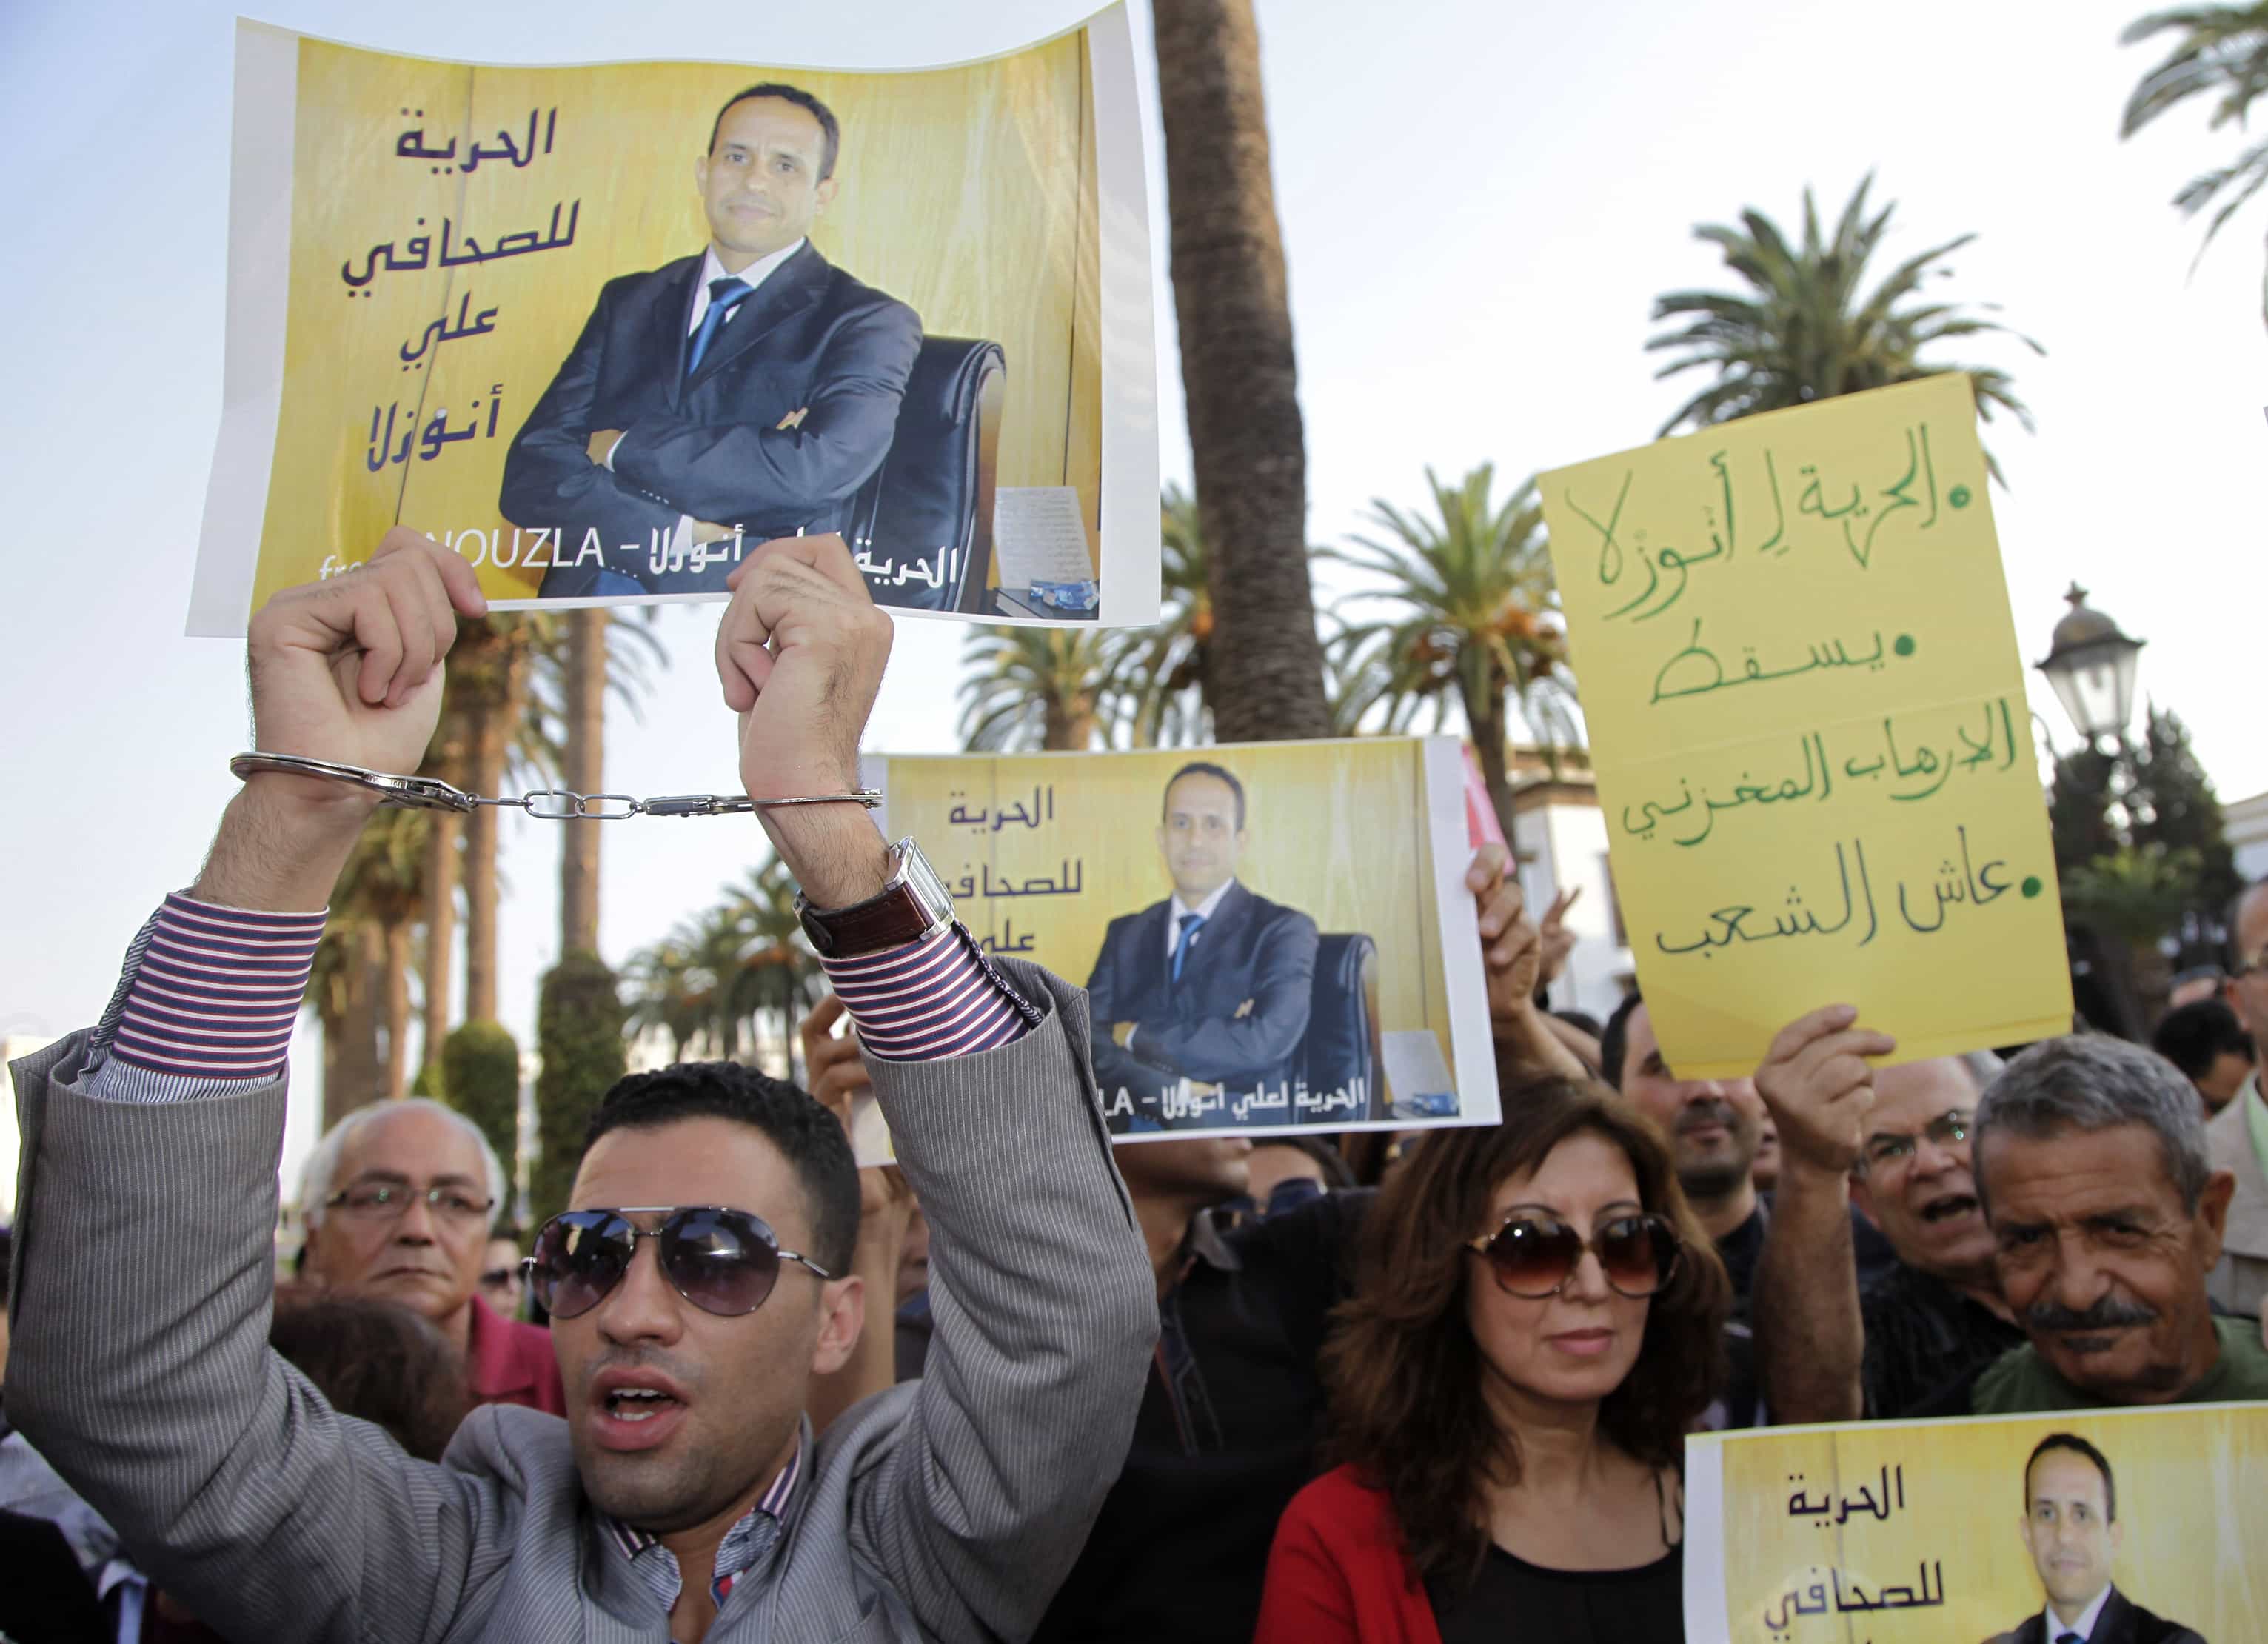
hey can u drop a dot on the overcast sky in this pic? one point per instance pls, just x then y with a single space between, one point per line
1479 200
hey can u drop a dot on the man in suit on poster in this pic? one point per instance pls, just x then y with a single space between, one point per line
753 385
1211 985
2071 1529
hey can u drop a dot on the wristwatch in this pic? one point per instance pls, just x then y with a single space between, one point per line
912 907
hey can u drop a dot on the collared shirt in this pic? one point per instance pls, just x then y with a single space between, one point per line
753 276
1921 1335
507 1363
2256 1117
748 1543
1177 908
2084 1627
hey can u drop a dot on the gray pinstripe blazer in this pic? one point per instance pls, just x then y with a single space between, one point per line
948 1507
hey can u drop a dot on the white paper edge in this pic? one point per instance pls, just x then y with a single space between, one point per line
1704 1540
1131 527
259 274
264 128
1472 1046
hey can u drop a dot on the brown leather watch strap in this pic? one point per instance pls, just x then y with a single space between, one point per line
896 915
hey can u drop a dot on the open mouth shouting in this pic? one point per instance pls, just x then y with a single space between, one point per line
636 1410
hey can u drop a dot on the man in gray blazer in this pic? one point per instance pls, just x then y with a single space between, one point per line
685 1496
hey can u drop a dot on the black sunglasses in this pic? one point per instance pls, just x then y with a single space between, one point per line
1535 1257
723 1261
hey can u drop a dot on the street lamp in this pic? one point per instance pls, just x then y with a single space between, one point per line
2091 665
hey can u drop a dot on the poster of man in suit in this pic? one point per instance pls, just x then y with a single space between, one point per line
604 329
2119 1525
1274 937
2072 1530
1214 985
740 393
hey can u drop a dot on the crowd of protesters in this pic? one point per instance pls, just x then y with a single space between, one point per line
1028 1382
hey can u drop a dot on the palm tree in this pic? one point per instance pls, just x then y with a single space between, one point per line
1477 624
488 670
775 963
577 663
1167 669
667 991
360 987
1808 329
2223 53
1049 688
1238 373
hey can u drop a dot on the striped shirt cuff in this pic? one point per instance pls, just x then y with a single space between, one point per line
931 1000
209 994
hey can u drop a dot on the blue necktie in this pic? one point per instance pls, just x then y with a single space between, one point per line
1189 923
2069 1638
723 294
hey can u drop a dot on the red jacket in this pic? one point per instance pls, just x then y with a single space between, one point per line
507 1363
1337 1572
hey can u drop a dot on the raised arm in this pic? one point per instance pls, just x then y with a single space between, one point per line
1042 1294
1809 1340
737 471
141 1367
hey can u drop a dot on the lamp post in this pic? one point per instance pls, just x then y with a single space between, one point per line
2091 665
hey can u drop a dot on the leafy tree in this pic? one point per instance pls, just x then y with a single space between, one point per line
1167 670
1808 328
579 1028
1047 688
1478 625
2220 53
480 1077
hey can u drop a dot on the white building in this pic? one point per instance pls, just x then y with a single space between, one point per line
1560 836
2246 823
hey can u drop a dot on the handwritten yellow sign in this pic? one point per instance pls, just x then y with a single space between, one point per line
1808 723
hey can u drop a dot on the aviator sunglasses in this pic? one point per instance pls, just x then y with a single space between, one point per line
722 1261
1534 1257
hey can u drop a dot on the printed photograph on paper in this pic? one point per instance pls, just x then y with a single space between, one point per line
2110 1524
604 329
1273 936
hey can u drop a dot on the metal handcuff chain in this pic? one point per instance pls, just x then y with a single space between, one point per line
432 794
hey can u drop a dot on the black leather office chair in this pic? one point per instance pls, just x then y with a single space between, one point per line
921 526
1341 1051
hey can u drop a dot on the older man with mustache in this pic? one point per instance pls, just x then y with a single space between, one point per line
2104 1214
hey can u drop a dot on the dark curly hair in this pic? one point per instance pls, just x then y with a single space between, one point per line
376 1359
793 1121
1403 1372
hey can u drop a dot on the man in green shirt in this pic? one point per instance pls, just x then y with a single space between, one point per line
2236 1140
2107 1216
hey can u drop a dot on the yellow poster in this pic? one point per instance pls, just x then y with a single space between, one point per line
1808 717
1273 936
603 329
1981 1529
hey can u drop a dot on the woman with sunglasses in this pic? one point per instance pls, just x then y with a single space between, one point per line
1534 1328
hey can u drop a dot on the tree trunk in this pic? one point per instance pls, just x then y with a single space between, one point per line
394 1008
1238 373
486 746
586 773
1487 721
358 1069
444 830
1069 729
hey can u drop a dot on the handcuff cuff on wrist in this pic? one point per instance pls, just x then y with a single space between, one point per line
912 906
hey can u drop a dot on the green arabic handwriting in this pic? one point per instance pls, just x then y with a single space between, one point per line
1930 768
1965 885
1832 654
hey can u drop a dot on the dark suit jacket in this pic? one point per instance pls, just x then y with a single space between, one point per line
2121 1622
810 338
1251 949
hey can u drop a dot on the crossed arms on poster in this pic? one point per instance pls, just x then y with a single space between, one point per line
792 407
